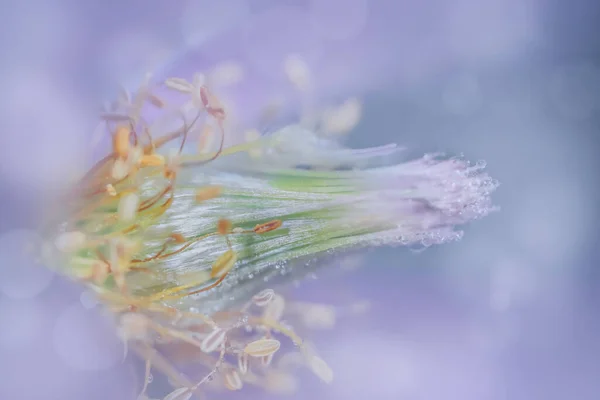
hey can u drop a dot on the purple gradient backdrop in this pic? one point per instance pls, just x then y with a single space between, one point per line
510 312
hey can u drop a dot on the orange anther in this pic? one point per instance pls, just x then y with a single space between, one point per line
267 226
224 226
121 141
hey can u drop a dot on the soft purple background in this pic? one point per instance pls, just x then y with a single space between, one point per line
510 312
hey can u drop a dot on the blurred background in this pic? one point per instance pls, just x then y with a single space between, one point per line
509 312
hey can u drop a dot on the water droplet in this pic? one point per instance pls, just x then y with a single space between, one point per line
150 378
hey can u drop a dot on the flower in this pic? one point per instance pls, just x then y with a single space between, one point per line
178 244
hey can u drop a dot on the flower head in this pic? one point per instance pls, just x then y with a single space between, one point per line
178 243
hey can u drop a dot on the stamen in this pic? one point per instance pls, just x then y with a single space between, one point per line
121 142
178 237
267 226
208 193
224 226
152 160
223 264
262 347
232 380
